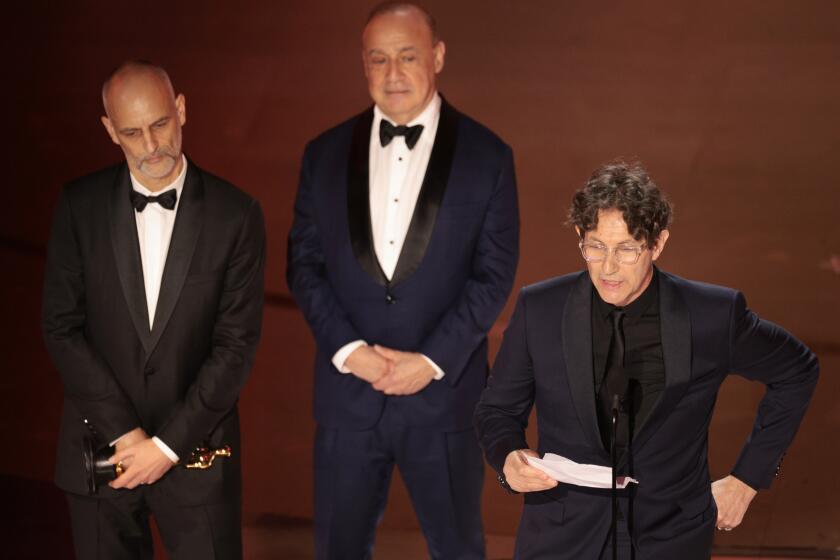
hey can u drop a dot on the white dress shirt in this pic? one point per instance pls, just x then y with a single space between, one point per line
396 175
154 231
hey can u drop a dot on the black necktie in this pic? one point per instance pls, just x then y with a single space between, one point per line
387 131
166 200
614 383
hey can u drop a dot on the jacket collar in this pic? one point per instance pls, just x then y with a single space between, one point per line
126 246
428 202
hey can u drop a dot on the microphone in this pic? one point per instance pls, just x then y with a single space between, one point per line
616 408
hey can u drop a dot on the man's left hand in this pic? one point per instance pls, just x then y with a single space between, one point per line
732 497
410 374
146 464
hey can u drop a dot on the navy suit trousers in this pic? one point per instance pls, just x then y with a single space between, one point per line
443 472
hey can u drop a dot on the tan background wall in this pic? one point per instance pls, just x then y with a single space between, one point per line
733 106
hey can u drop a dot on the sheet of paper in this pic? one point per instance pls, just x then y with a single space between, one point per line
567 471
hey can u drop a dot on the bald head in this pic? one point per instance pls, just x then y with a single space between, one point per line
144 117
391 7
131 73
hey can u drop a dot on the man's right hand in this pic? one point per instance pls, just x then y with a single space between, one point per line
365 363
521 476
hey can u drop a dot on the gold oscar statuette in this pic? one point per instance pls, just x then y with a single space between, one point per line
99 471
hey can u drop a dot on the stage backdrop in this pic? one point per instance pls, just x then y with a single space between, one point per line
733 107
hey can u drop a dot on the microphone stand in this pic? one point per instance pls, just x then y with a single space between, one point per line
614 530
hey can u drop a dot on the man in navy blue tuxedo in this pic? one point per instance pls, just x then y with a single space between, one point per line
663 345
402 254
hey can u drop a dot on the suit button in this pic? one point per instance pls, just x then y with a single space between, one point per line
389 299
150 371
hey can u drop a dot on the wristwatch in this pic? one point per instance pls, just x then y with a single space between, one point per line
503 481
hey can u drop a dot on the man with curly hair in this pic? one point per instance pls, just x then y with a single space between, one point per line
628 342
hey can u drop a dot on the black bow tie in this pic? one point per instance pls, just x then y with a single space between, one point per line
167 199
387 131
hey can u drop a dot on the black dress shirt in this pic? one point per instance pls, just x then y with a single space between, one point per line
643 361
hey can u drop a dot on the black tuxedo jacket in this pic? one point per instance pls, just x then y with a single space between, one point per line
707 332
452 278
181 380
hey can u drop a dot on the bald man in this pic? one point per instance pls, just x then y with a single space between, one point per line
402 254
151 313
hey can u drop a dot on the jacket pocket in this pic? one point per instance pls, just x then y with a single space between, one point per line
700 505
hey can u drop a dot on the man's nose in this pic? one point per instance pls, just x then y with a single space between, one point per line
394 71
149 141
610 264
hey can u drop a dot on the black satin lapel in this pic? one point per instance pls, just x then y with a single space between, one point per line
675 323
577 349
188 223
431 194
358 198
127 255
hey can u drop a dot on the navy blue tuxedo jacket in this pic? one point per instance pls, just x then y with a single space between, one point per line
181 379
707 333
452 278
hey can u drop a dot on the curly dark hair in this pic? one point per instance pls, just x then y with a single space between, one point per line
626 187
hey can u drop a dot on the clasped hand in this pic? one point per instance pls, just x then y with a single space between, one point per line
392 372
142 459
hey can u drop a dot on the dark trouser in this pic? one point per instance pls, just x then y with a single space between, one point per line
118 528
443 472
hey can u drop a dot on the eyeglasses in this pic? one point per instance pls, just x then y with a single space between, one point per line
623 254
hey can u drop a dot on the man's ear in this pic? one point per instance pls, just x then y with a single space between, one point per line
364 62
439 52
660 243
109 128
181 108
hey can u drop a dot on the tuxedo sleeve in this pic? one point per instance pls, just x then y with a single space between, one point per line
764 352
306 272
465 325
236 332
501 415
89 384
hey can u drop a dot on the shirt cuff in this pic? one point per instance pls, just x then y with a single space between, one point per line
165 448
113 443
438 372
344 352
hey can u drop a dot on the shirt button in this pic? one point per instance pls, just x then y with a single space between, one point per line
391 242
396 200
